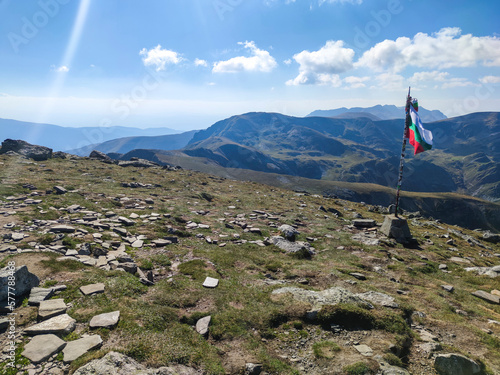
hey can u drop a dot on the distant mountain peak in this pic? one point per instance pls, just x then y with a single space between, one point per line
383 112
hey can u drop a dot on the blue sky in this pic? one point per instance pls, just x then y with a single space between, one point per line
186 64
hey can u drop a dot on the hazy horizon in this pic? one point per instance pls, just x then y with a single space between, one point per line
187 65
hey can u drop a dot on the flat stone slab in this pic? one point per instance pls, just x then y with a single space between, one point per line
42 347
364 350
91 289
210 282
332 296
487 296
137 243
38 295
58 325
51 308
203 324
364 223
378 298
77 348
106 320
62 229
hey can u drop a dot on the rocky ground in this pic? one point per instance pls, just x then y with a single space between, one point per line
187 273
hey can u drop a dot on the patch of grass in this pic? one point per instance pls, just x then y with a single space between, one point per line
145 264
393 360
49 283
195 268
46 239
69 242
161 260
273 266
325 349
361 368
19 362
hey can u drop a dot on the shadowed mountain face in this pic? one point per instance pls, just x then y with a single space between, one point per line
464 158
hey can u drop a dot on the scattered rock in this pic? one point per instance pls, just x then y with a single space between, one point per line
98 155
38 295
77 348
42 347
58 325
203 324
455 364
488 297
302 248
106 320
91 289
210 282
51 308
364 350
60 190
358 275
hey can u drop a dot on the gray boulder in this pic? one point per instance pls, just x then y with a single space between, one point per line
115 363
98 155
299 248
455 364
37 153
24 281
288 232
491 237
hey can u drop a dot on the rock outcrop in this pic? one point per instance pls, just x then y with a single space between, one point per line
38 153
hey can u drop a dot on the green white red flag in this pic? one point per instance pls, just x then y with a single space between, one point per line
420 138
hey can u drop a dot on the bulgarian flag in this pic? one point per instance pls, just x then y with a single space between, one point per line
420 138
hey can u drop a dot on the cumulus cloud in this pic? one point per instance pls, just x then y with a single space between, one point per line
159 57
353 82
59 69
421 78
323 66
200 62
489 79
259 61
445 49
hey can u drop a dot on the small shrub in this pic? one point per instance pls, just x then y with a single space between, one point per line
346 315
69 242
325 349
361 368
46 239
145 264
273 266
207 196
393 360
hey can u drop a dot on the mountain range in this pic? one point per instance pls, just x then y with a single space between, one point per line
378 112
464 158
61 138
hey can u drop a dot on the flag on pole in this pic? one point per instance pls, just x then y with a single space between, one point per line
420 138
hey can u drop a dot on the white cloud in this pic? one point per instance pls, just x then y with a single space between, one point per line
323 66
60 69
200 62
445 49
489 79
159 57
287 61
421 78
390 82
260 61
356 82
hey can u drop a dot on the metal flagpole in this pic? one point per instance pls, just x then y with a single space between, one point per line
403 149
